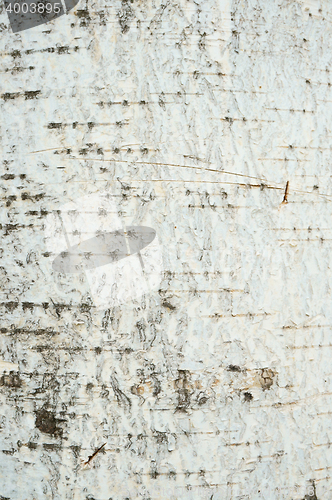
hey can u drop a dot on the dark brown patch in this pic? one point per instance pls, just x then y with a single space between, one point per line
51 446
247 396
233 368
27 305
83 14
47 422
10 227
31 94
33 197
10 306
32 446
7 96
183 386
63 50
54 125
11 380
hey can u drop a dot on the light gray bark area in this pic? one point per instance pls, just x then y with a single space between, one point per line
195 115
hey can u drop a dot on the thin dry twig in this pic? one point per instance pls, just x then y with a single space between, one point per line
91 457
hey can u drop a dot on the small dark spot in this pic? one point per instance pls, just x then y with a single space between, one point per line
85 308
10 227
10 200
8 177
160 437
31 94
63 50
168 305
15 53
47 422
54 125
83 14
233 368
137 390
10 95
32 446
27 305
8 452
51 446
104 391
161 101
183 386
10 306
154 473
247 396
202 399
12 380
36 197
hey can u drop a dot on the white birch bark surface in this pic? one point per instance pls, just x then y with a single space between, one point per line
194 116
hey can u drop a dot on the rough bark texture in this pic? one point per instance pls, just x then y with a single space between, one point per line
195 115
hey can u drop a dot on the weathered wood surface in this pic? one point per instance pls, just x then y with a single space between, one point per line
195 115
